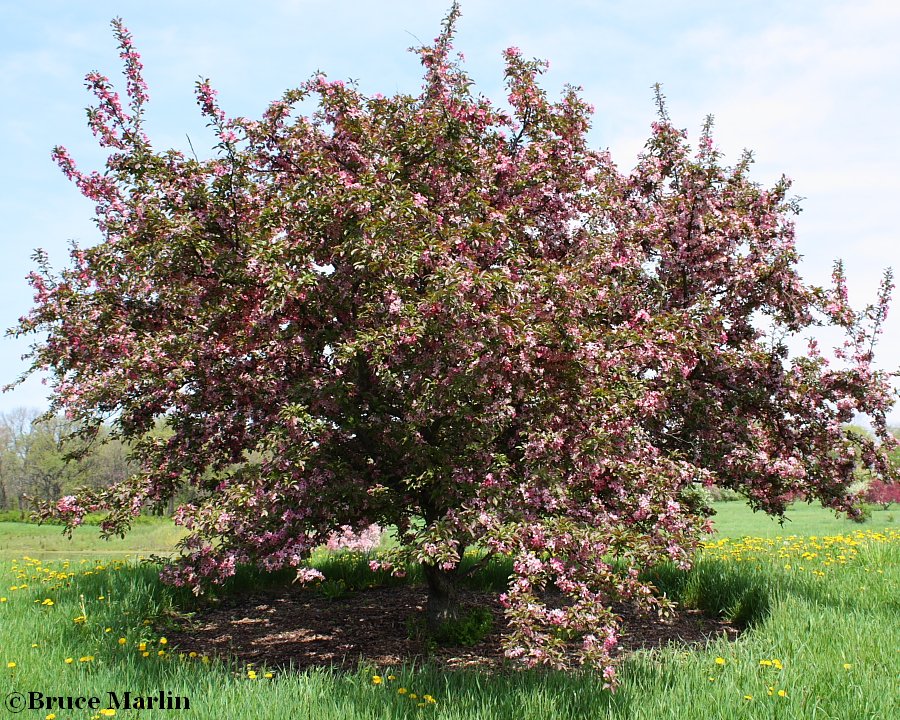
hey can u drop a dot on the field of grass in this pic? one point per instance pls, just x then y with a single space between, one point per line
735 519
823 639
47 542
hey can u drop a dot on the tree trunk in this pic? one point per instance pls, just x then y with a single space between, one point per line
443 596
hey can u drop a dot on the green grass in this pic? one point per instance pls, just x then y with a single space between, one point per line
812 624
735 519
48 541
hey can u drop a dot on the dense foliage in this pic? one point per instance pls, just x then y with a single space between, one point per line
458 319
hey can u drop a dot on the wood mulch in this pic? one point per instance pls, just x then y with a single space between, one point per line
303 629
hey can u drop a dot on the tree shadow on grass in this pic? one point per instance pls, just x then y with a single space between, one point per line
734 593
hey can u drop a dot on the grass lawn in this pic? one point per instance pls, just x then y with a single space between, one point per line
735 519
158 536
823 640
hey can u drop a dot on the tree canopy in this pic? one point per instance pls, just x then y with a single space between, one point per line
455 318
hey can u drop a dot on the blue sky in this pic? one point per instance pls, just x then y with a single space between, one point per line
810 87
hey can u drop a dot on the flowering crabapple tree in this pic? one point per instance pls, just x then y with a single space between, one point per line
457 319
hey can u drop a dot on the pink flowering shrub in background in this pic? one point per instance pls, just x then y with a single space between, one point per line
883 493
458 319
364 541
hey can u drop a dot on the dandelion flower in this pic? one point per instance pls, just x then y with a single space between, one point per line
69 661
145 654
122 641
720 661
376 680
401 691
782 693
10 665
161 653
2 599
142 646
847 666
777 664
251 674
51 716
163 641
108 712
34 645
765 663
748 697
267 675
192 654
412 696
392 677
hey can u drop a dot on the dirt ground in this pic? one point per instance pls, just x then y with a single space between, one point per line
302 629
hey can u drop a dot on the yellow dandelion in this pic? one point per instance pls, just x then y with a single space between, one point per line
429 699
777 664
142 646
782 693
748 697
80 620
34 645
86 658
163 641
2 599
10 665
412 696
401 691
145 654
51 716
251 674
192 654
108 712
102 597
69 661
392 677
765 663
376 680
267 675
720 661
161 653
48 602
847 666
122 641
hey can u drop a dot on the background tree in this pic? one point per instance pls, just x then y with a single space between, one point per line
46 457
457 319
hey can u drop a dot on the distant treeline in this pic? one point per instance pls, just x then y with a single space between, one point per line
37 459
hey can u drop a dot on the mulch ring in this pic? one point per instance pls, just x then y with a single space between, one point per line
303 629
